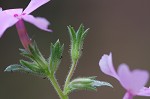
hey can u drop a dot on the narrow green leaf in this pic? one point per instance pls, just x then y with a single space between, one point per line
38 51
23 51
55 57
30 65
17 67
20 68
80 31
84 34
72 34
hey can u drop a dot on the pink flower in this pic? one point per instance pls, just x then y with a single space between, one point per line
16 16
0 9
133 81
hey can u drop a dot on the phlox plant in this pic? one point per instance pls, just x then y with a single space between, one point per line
40 66
37 64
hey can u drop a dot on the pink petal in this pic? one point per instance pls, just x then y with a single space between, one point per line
1 9
12 12
6 21
132 81
33 5
106 66
144 92
128 96
41 23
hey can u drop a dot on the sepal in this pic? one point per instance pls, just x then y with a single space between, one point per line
55 56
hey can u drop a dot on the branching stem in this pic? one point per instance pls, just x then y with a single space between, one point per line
57 87
72 69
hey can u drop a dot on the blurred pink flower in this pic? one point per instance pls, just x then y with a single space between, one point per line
16 16
0 9
133 81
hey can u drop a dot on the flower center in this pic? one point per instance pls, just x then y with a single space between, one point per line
23 13
15 15
19 16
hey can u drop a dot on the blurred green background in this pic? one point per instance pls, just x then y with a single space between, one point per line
119 26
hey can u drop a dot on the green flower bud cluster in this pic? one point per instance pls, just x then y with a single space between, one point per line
77 39
37 64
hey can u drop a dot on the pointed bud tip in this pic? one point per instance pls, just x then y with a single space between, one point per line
7 69
57 43
101 83
58 40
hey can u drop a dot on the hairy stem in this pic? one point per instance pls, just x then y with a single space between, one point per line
57 87
70 74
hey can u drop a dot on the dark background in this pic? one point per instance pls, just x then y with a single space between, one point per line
119 26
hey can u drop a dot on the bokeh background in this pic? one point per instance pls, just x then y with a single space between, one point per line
118 26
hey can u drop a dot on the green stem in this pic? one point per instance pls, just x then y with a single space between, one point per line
57 87
72 69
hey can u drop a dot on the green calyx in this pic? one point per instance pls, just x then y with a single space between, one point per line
77 39
37 64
